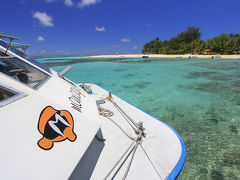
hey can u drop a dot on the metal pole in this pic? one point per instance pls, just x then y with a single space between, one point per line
9 45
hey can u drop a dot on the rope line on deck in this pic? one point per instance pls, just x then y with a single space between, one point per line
131 160
139 129
150 161
107 113
118 161
126 117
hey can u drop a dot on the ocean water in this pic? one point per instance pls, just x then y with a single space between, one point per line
52 61
199 98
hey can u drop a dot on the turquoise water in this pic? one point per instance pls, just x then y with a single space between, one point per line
199 98
51 61
56 57
60 57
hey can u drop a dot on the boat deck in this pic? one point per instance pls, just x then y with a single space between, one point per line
160 155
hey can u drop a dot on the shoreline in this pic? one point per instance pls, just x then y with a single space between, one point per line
167 56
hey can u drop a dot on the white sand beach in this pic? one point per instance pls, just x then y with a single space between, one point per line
167 56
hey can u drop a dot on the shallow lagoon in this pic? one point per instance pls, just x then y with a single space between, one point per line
199 98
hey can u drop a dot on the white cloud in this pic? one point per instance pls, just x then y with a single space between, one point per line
116 46
21 1
43 52
68 3
44 18
135 47
125 40
84 3
100 29
40 38
49 0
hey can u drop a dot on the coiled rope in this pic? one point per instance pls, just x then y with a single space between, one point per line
107 113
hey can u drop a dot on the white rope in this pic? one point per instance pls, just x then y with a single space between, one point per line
138 129
121 129
131 160
115 165
126 117
151 161
107 113
104 112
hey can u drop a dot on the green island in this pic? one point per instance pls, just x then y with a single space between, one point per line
190 42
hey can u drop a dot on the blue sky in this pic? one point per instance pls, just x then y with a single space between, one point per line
85 27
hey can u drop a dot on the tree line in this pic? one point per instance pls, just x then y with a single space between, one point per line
189 41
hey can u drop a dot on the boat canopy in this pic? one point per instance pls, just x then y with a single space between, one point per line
8 36
11 44
18 49
18 45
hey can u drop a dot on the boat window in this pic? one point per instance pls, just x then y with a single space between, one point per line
30 59
21 71
5 94
3 44
23 55
9 95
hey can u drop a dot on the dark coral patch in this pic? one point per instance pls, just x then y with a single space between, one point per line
216 175
233 129
118 70
209 75
213 120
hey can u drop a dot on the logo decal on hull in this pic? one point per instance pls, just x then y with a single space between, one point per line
75 99
55 126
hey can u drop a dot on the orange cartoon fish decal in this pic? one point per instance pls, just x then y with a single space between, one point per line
55 126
